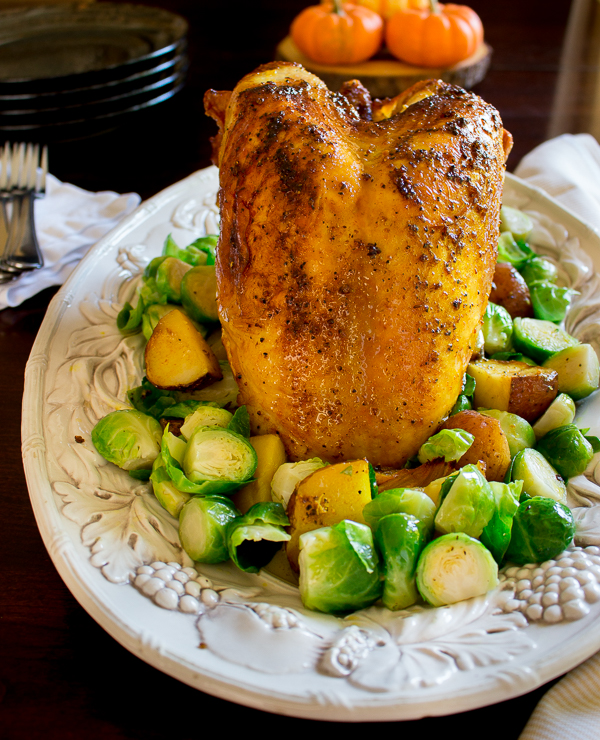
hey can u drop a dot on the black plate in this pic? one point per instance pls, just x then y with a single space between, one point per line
54 49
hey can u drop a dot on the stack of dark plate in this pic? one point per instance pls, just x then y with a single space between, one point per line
69 71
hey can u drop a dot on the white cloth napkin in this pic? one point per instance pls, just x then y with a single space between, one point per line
568 168
69 221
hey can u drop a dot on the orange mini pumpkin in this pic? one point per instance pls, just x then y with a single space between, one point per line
439 36
337 33
387 8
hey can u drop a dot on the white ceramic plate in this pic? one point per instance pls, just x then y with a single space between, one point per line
261 648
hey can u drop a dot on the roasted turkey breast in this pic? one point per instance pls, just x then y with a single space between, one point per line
356 255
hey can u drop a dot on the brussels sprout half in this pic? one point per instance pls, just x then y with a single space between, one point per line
128 438
409 501
254 538
567 450
497 329
467 503
542 529
455 567
203 527
496 533
339 569
289 474
450 444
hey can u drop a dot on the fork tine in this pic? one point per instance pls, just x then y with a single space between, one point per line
25 173
17 161
34 163
41 189
4 173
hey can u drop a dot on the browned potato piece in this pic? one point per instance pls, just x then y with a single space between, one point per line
510 290
490 445
270 454
522 389
325 498
178 357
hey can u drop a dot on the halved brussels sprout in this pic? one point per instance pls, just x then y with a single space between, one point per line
538 269
538 476
542 529
578 370
409 501
517 222
519 432
455 567
467 503
497 329
513 252
451 444
496 533
205 416
213 453
289 474
168 495
203 525
254 538
400 539
567 450
540 339
339 568
550 302
561 411
128 438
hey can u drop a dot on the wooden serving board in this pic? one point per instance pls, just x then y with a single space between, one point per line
386 77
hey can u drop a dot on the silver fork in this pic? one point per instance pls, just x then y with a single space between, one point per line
22 251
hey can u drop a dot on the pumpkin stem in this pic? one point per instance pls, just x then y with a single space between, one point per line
434 6
337 7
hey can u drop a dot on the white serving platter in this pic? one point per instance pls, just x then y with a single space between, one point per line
246 638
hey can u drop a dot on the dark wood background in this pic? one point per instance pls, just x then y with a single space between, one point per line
61 675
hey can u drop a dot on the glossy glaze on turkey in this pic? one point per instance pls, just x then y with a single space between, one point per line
356 256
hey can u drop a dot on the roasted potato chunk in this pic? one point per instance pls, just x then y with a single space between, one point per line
522 389
178 357
325 498
510 291
490 446
270 454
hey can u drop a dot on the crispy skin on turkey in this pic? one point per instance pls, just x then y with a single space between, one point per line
356 256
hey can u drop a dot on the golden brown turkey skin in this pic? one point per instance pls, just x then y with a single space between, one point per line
355 258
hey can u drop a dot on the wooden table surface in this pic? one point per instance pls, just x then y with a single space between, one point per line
61 675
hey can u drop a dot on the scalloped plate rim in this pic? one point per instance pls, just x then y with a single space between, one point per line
105 606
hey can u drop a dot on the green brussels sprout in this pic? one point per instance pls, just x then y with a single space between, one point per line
519 432
540 339
128 438
451 444
288 475
399 539
254 538
205 416
542 529
512 252
167 494
467 505
240 422
550 303
561 411
497 329
578 370
168 278
518 223
213 461
496 533
401 501
567 450
203 522
339 568
213 453
538 476
455 567
199 252
538 269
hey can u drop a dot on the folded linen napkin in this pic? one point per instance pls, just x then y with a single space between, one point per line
568 168
69 221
